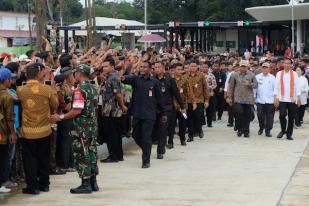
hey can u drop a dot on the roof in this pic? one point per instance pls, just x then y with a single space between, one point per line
104 21
111 22
16 33
11 13
280 12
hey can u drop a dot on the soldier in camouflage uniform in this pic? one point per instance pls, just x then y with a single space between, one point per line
85 130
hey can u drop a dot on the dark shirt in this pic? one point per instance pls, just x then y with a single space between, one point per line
146 97
111 88
169 91
220 79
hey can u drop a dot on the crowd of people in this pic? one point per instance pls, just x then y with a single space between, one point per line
56 110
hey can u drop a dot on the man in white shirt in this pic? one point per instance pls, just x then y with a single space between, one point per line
287 93
265 100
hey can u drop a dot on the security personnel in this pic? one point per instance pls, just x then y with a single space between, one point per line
169 91
184 90
219 91
146 104
7 131
84 113
197 101
64 140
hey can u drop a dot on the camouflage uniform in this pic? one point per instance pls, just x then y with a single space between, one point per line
85 132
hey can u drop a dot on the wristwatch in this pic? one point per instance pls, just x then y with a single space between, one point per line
61 116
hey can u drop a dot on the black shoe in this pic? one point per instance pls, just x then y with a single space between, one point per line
246 135
219 118
280 135
146 165
260 132
121 159
201 135
239 133
267 134
109 160
57 171
235 128
30 191
94 184
160 156
289 138
230 125
85 188
183 143
210 126
170 146
190 139
44 189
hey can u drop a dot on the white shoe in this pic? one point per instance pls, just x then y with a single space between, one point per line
10 184
3 189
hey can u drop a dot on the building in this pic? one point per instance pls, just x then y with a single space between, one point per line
283 15
14 29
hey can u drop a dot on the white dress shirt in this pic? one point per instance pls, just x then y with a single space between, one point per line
265 90
286 80
226 85
304 88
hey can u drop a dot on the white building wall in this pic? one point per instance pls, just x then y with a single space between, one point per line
220 37
3 42
11 22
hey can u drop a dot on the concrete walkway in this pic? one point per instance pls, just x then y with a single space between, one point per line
220 169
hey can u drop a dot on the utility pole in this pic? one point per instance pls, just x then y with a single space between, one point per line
90 22
293 30
29 23
145 13
61 2
40 12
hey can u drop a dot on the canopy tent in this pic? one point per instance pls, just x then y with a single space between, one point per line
280 12
152 38
111 22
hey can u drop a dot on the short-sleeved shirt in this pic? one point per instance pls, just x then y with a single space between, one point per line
85 99
111 87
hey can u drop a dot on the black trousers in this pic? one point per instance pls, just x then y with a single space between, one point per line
231 117
64 153
112 130
299 114
3 159
53 148
265 114
242 117
195 119
287 109
100 139
210 111
219 102
182 125
160 131
142 131
172 126
36 159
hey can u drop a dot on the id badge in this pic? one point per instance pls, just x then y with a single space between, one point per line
220 80
163 89
150 93
196 85
181 90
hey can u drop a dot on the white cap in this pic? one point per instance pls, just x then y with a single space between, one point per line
24 58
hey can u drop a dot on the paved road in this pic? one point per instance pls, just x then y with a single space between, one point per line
220 169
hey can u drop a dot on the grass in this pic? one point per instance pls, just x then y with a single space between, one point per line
15 50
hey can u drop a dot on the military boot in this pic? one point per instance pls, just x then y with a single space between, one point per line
94 184
85 188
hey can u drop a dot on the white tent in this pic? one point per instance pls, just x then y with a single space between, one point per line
280 12
104 21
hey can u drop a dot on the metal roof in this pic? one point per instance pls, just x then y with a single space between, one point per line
280 12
